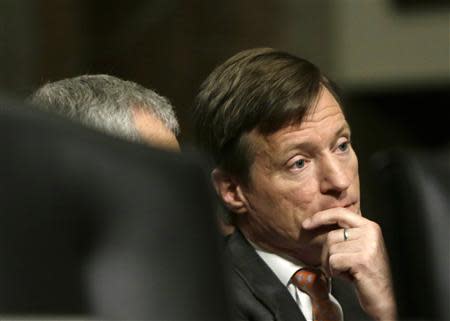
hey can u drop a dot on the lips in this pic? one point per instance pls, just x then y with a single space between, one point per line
350 205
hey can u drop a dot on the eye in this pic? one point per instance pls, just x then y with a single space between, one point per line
297 164
343 147
300 163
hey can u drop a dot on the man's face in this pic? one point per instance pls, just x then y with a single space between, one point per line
298 171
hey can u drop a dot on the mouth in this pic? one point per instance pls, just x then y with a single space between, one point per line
352 207
349 205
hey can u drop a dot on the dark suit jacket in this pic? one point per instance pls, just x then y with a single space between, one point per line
97 226
257 293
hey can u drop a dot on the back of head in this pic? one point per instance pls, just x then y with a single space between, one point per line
104 102
263 89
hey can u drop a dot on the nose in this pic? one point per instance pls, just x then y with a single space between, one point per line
334 176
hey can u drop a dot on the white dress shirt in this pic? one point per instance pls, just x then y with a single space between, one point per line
284 268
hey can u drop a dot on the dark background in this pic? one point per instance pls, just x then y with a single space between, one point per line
384 53
390 57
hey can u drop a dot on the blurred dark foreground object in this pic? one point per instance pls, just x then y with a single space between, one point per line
91 225
414 199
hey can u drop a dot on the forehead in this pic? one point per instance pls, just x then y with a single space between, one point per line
325 108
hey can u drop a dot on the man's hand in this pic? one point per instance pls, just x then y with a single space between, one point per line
362 258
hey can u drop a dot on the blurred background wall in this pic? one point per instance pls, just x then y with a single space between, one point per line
374 49
390 57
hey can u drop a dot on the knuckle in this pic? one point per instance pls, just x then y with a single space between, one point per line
375 228
367 258
329 238
333 261
332 249
360 266
373 232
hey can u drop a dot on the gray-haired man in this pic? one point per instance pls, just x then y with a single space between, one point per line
115 106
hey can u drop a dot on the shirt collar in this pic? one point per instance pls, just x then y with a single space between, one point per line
284 267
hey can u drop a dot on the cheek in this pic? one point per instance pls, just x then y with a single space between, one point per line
305 202
304 196
354 162
354 171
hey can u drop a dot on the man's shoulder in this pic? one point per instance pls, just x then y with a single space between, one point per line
257 293
240 253
245 302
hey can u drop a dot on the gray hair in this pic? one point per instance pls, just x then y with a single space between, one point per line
105 103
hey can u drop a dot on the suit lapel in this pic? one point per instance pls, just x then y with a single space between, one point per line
261 280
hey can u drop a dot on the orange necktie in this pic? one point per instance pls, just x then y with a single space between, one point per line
314 283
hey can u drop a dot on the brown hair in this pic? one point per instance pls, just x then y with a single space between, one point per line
261 89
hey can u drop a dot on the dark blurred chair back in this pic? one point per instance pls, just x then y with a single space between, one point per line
92 225
414 201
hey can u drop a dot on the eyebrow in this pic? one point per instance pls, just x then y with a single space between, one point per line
308 145
344 128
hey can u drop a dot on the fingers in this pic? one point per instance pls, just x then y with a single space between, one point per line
335 244
359 257
342 257
339 216
336 236
341 264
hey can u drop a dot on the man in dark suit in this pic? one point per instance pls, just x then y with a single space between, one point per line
95 226
286 170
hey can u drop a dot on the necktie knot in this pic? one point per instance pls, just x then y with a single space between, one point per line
314 283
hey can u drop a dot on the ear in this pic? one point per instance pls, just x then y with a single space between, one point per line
230 191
